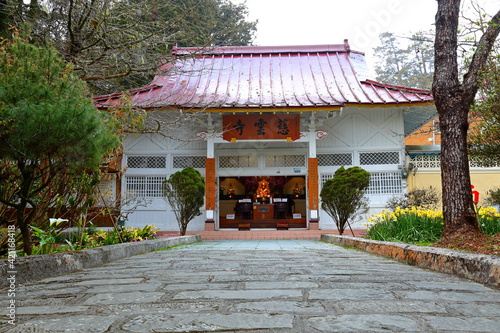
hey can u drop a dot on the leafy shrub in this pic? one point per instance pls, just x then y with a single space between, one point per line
343 196
185 192
493 197
408 225
425 198
49 241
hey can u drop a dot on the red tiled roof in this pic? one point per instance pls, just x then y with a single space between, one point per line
268 77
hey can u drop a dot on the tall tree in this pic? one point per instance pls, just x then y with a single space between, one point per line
116 45
409 66
392 67
453 99
48 127
422 61
213 23
484 136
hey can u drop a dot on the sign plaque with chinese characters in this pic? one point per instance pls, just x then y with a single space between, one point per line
257 127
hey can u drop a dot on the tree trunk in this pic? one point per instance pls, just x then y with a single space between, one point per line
24 227
453 107
453 100
458 207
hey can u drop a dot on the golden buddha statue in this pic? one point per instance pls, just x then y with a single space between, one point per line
230 190
296 190
263 190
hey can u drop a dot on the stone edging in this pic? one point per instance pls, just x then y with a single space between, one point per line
481 268
37 267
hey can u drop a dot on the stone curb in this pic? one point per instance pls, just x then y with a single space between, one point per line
37 267
480 268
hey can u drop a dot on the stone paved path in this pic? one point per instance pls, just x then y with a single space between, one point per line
255 286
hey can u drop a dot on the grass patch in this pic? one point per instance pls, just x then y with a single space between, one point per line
173 246
409 225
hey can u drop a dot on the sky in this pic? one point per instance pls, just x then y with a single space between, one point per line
309 22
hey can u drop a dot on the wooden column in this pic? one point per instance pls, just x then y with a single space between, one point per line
210 193
313 192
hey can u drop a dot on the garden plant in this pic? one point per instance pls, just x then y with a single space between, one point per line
343 196
53 239
185 191
422 226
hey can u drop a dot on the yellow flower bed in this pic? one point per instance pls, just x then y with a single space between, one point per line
416 225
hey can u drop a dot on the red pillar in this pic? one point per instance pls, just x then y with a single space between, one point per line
313 193
210 193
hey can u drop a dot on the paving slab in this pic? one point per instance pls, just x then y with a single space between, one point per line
253 286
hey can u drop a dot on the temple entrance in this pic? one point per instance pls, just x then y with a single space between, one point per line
273 202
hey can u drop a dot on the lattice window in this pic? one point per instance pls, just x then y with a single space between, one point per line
434 161
325 177
476 164
387 157
148 162
181 162
380 183
334 159
145 186
385 183
427 161
285 161
238 161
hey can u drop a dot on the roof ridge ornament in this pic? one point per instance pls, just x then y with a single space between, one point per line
347 46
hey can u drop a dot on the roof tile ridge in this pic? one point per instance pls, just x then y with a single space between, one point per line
335 77
184 87
135 91
345 78
358 82
237 97
376 92
220 70
281 49
283 92
294 92
271 86
325 82
393 86
303 80
314 77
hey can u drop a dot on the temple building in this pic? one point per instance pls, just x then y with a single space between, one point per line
267 126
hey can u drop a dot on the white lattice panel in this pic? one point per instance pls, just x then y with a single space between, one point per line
380 183
145 186
476 164
377 158
335 159
146 162
325 177
427 161
385 183
181 162
285 161
238 162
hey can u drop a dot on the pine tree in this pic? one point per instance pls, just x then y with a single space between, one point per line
48 126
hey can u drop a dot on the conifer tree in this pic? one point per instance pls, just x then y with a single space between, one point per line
48 126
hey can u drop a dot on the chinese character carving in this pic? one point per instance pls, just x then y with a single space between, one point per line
283 126
260 124
239 126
